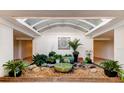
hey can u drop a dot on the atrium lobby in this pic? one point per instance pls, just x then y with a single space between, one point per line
61 45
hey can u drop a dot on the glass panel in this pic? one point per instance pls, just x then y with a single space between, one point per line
95 21
73 21
79 23
42 24
83 24
45 23
32 21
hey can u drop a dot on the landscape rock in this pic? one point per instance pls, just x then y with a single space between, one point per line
32 67
37 69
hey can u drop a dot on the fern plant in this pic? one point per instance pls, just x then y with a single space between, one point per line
111 68
111 65
15 67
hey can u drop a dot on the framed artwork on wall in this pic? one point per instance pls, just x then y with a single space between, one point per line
63 43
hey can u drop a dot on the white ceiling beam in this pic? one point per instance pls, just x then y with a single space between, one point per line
100 25
107 27
87 22
19 27
25 19
25 24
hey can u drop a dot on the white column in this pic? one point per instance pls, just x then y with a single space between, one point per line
119 44
6 46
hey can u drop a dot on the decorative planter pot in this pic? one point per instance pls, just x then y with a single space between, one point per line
57 60
110 73
75 57
63 67
71 59
51 62
66 59
18 73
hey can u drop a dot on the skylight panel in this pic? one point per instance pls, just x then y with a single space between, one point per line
32 21
95 21
87 24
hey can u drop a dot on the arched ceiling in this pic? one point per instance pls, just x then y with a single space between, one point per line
62 25
39 25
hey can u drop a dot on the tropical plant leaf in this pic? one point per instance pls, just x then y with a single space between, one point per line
74 44
39 59
15 65
111 65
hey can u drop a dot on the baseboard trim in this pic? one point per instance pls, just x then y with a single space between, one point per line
100 58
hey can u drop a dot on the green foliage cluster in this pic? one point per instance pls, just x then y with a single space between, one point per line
39 59
15 66
111 65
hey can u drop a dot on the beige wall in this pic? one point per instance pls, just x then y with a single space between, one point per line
104 49
48 41
6 46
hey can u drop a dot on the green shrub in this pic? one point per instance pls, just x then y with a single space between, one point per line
87 60
121 74
52 53
39 59
68 55
57 56
51 60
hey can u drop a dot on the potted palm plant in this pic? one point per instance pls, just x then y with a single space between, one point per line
74 45
111 67
15 68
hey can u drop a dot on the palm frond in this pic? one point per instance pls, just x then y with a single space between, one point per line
74 44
